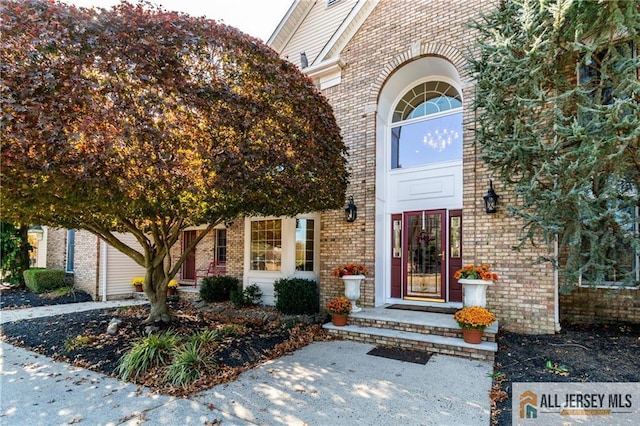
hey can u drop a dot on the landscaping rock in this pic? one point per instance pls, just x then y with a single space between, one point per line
199 304
114 326
150 329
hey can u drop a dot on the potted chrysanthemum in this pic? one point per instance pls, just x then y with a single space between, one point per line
137 282
473 320
339 308
172 287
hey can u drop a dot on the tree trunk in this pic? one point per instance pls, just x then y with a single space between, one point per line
155 287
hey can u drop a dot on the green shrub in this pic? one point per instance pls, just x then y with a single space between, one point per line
250 296
218 288
151 351
297 296
40 280
14 252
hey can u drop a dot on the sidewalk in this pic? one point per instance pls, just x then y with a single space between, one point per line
10 315
325 383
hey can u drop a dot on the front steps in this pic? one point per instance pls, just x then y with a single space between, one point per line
424 331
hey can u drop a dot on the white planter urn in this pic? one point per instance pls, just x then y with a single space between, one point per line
352 289
474 291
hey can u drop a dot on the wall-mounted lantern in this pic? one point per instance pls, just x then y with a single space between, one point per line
37 231
351 211
491 199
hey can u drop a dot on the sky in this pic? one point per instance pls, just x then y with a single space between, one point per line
255 17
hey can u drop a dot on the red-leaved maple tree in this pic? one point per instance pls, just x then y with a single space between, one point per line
139 120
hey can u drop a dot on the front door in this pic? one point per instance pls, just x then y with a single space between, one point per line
424 265
189 265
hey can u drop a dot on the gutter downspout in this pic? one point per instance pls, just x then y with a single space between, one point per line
103 270
556 286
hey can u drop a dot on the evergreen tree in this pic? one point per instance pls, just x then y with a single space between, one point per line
557 106
14 252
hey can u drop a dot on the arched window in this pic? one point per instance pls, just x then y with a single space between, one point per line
427 126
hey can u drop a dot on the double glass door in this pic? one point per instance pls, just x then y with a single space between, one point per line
420 268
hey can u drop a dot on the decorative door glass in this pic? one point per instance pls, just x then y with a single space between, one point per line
424 255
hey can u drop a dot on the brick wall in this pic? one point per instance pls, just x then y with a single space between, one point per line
235 248
600 305
56 248
523 299
86 262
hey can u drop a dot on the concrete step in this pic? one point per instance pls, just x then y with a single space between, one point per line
413 321
427 331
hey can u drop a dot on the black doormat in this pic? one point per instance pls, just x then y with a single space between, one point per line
406 355
434 309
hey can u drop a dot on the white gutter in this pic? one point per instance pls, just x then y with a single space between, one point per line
556 287
103 270
326 66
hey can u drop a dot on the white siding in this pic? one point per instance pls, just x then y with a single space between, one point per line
120 269
316 30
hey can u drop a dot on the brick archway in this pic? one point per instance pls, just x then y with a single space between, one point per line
416 51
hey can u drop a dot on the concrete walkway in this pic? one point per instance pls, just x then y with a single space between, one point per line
10 315
325 383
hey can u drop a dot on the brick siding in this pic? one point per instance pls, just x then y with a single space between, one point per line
86 263
56 248
600 305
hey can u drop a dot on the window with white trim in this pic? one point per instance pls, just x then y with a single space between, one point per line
305 245
71 237
266 245
221 245
427 126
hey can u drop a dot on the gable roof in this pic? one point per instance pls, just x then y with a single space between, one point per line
321 30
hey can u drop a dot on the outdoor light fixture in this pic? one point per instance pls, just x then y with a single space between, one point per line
491 199
37 231
351 211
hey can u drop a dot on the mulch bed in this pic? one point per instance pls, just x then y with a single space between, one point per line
264 334
588 353
21 297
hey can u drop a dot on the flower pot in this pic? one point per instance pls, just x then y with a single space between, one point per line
472 335
171 291
352 289
138 288
475 291
339 320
